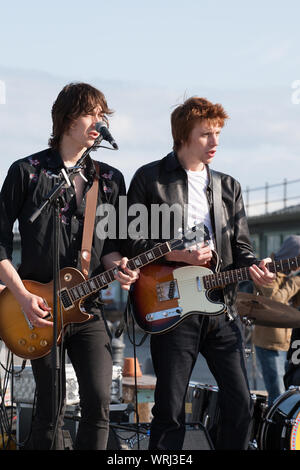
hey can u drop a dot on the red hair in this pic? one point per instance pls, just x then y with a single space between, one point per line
193 110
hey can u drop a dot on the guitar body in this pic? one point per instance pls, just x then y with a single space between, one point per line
163 296
19 335
30 342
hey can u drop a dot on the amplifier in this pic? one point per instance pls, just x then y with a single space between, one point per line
23 386
118 414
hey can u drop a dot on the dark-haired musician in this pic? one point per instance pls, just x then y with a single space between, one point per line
184 177
75 112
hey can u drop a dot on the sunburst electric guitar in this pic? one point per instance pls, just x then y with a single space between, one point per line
164 296
30 342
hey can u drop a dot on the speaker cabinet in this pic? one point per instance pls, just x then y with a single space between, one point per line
119 413
23 427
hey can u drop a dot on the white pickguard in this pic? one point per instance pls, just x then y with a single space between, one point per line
192 293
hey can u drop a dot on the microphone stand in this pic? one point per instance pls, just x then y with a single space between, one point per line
52 199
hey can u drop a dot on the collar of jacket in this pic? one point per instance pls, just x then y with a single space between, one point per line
172 163
55 163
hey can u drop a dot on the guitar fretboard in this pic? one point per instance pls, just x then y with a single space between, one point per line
96 283
221 279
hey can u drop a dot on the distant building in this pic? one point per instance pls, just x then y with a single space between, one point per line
269 230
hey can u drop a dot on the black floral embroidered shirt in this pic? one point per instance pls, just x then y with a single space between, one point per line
27 183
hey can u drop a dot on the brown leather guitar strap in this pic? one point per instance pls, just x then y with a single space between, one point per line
89 223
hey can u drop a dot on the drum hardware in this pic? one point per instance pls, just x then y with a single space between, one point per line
280 428
259 409
206 420
247 321
202 406
268 421
268 424
290 422
248 352
294 387
263 311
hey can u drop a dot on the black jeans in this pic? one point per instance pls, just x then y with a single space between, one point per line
89 349
174 355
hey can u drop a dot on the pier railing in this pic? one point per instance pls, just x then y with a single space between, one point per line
271 197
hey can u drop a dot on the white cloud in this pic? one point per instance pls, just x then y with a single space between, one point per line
259 143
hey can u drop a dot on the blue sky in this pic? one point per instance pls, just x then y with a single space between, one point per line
147 57
224 44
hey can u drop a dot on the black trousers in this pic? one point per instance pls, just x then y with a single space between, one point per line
174 355
89 349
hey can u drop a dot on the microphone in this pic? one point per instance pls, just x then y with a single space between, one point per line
101 127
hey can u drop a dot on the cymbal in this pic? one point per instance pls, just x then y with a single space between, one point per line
266 312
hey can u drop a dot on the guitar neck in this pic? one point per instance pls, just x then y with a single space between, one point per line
102 280
221 279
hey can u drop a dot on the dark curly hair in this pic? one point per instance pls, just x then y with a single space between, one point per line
73 100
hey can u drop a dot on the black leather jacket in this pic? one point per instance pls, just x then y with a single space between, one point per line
165 181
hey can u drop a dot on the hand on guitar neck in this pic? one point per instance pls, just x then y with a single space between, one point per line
260 274
201 256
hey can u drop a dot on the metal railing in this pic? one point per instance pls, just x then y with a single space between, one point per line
273 198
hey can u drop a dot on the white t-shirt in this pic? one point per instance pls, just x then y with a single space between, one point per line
198 210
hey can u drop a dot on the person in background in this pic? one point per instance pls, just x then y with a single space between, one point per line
272 344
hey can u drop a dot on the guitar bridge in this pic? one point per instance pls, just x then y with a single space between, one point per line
163 314
167 291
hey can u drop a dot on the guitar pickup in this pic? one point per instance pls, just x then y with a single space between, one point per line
199 283
65 299
167 291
